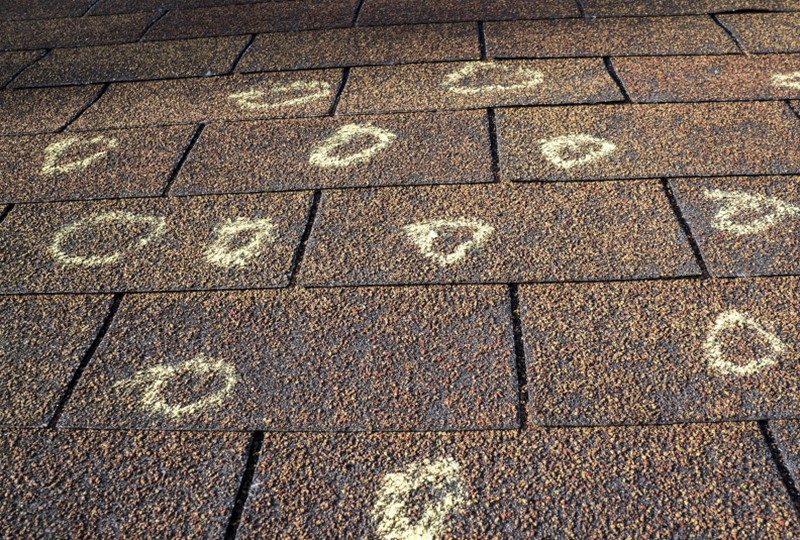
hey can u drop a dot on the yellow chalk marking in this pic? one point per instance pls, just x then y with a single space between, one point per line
390 513
593 148
321 155
456 81
770 210
788 80
219 253
424 234
255 99
156 380
157 227
736 320
55 151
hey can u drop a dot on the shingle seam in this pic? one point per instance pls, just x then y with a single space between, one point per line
301 247
87 357
186 151
23 69
241 54
357 13
730 33
687 230
484 51
253 454
339 92
91 6
519 357
612 71
151 24
783 470
493 143
83 109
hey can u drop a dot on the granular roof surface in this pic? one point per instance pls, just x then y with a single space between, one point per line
400 269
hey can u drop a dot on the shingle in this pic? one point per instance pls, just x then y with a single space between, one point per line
698 481
495 233
73 32
744 226
42 9
637 141
422 148
471 85
661 351
704 78
134 61
765 32
152 244
381 12
607 37
12 63
608 8
234 97
43 340
346 359
90 165
362 46
118 484
41 110
254 18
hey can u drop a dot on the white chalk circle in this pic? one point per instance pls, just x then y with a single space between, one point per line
321 156
735 204
526 78
390 512
156 382
587 149
424 235
54 152
787 80
274 97
93 225
736 320
221 251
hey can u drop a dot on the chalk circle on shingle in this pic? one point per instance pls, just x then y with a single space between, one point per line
426 233
745 213
324 154
567 151
155 225
787 80
733 321
461 80
279 95
56 151
226 252
158 382
443 482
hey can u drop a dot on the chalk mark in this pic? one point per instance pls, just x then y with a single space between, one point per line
424 235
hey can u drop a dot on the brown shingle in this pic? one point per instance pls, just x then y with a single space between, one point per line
765 32
41 110
380 12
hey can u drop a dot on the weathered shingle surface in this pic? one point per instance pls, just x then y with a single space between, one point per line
400 269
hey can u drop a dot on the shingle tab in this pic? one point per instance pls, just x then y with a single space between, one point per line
235 97
765 32
704 78
90 165
422 148
606 8
700 481
495 233
744 226
133 61
380 12
472 85
362 46
347 359
662 351
638 141
607 37
254 18
152 244
12 63
118 484
42 9
41 110
73 32
43 340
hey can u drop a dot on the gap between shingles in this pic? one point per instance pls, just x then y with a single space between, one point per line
112 311
519 357
612 70
195 136
493 143
253 454
687 230
83 109
357 14
783 470
24 68
151 24
301 248
484 52
239 57
730 33
339 92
